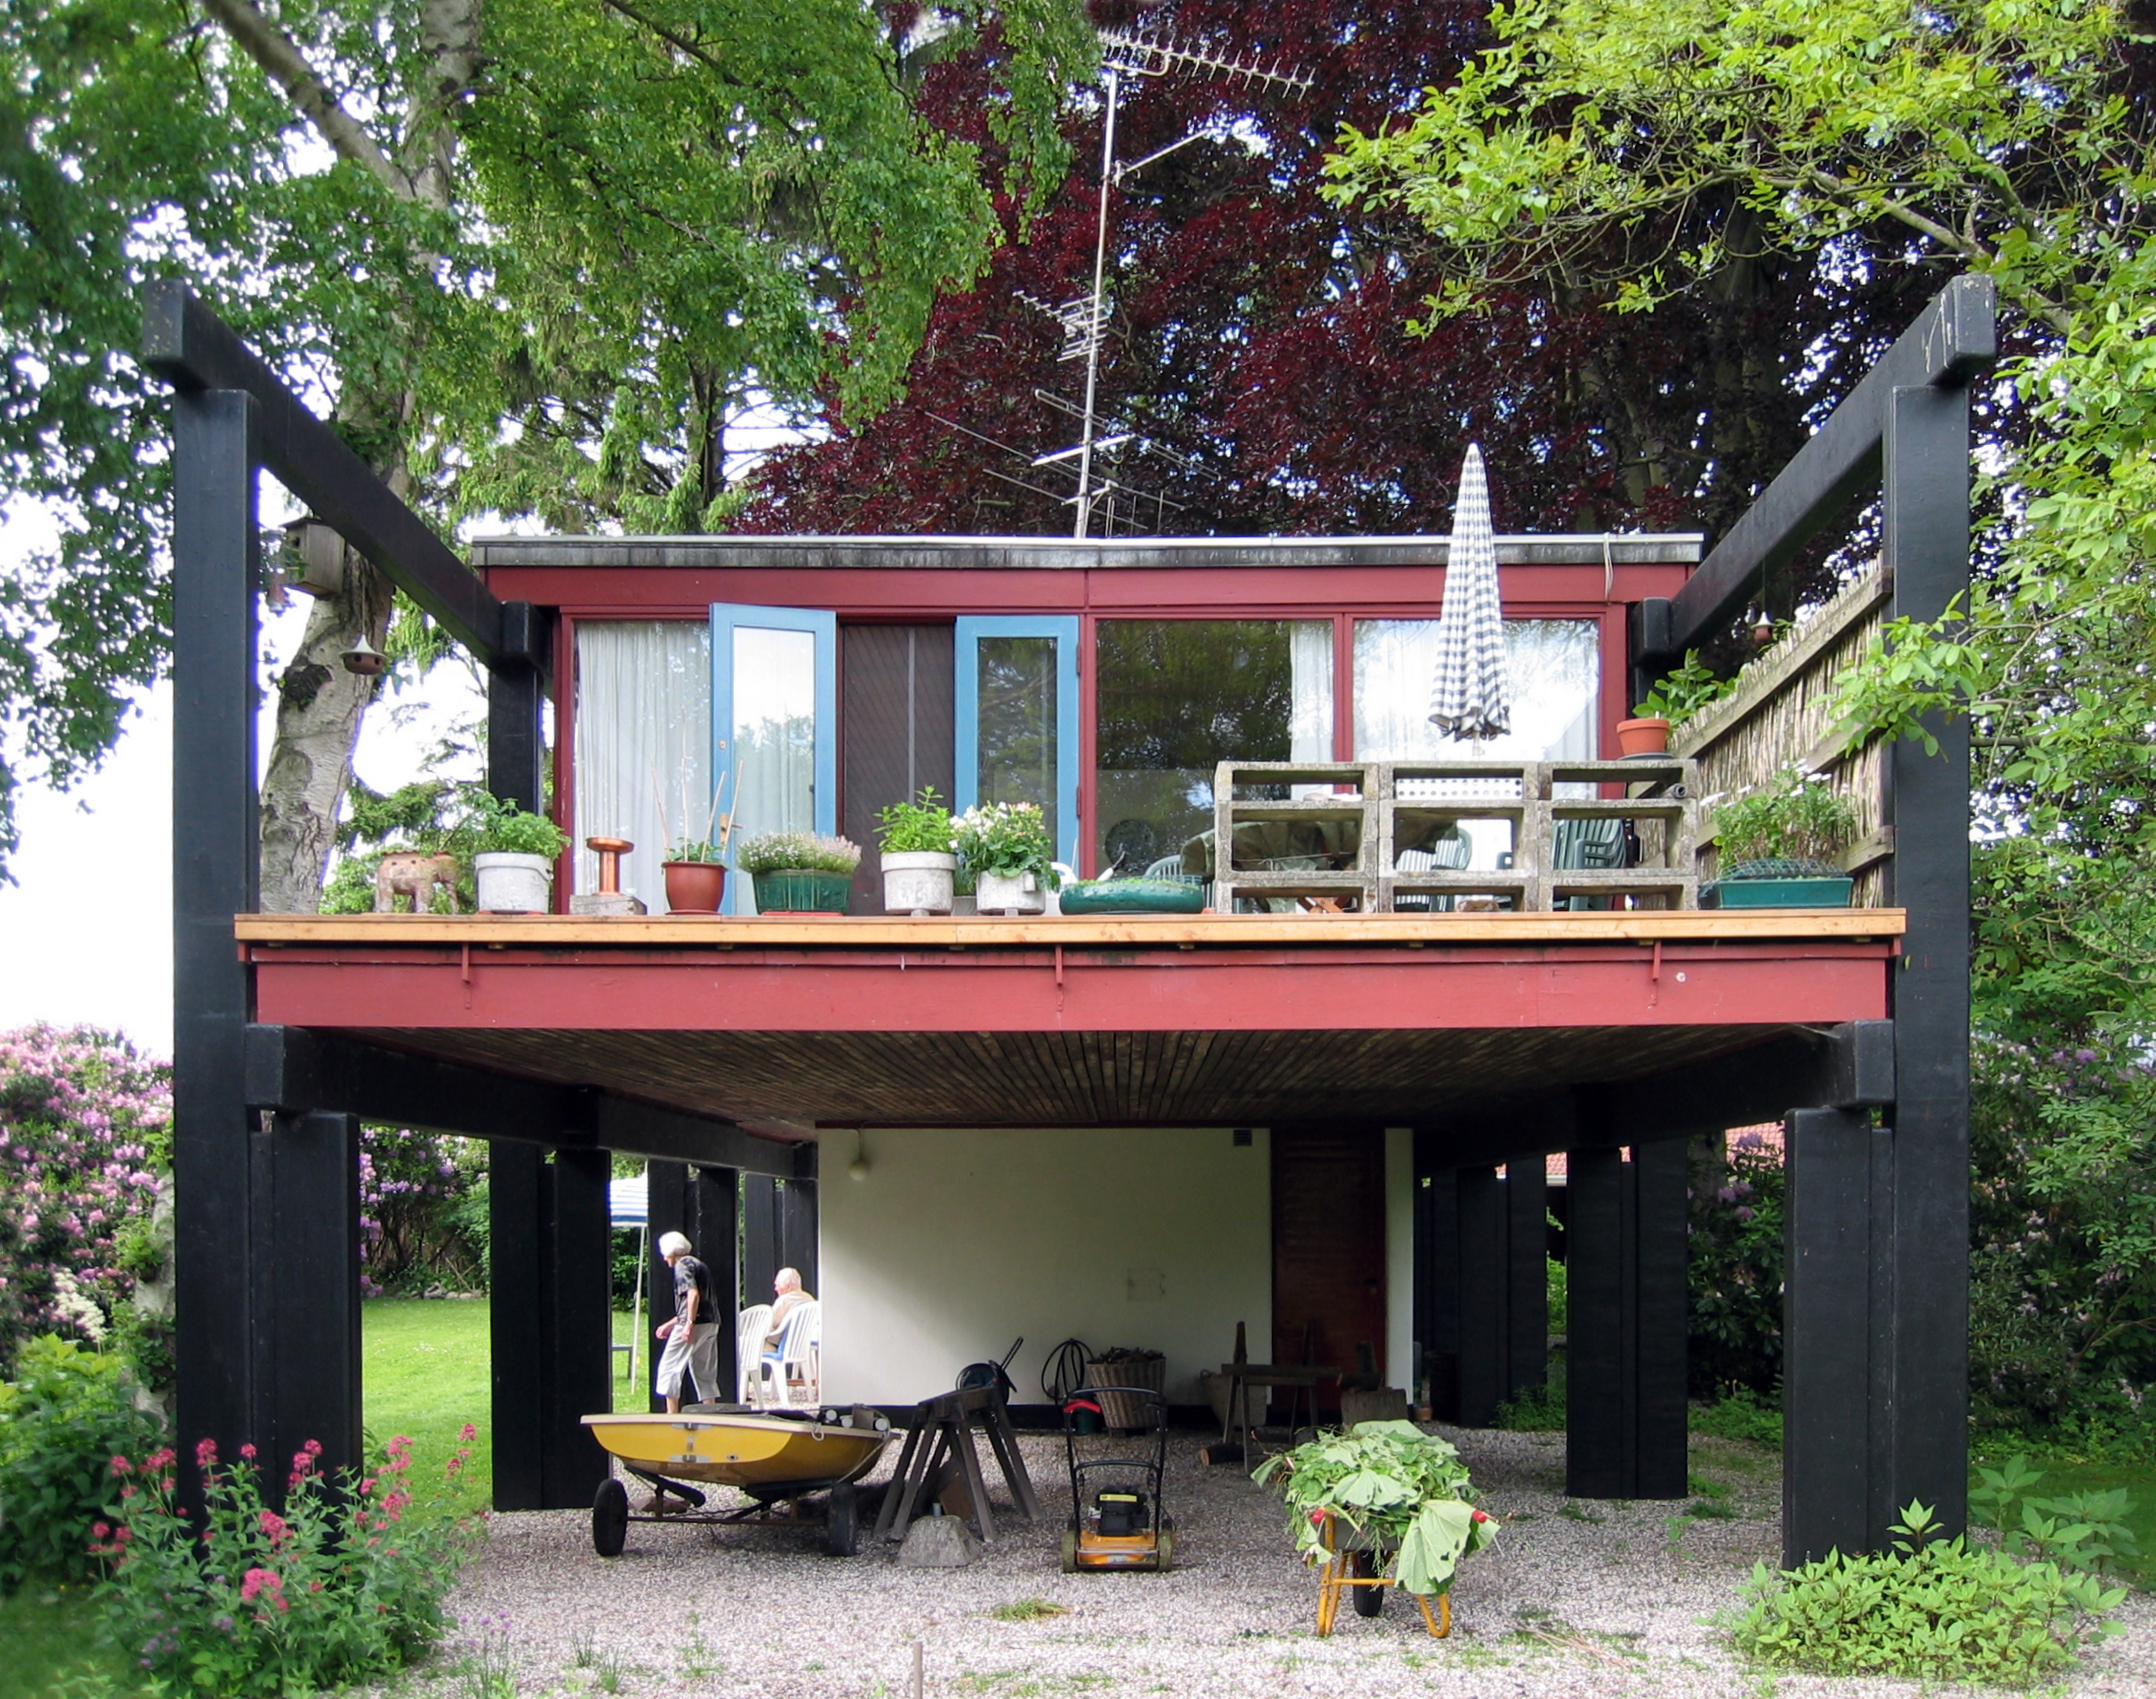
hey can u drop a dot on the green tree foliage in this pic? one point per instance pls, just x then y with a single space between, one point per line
1644 149
530 259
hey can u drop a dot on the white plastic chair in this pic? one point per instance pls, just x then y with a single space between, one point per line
799 1362
750 1326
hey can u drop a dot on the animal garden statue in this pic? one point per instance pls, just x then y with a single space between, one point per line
414 876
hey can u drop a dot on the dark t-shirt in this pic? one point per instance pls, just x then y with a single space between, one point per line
692 1276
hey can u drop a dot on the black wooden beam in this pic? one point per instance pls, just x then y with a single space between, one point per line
215 858
516 733
295 1069
192 349
1952 340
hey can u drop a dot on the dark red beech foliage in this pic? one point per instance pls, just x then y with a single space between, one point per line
1261 346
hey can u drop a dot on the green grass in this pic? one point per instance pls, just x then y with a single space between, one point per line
53 1634
2062 1477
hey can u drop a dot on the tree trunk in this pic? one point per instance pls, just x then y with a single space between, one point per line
320 708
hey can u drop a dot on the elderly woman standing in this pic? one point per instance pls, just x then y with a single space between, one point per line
692 1337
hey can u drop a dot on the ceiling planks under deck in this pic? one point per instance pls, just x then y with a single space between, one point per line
1078 1078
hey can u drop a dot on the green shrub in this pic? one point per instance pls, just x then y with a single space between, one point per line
1932 1610
1740 1414
2084 1531
1792 817
63 1419
347 1583
1734 1270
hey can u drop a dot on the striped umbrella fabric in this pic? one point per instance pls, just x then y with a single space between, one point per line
1471 697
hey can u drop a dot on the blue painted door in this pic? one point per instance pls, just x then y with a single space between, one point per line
774 724
1017 715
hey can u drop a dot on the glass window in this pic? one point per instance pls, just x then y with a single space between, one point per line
1556 684
643 719
1176 698
773 788
1016 762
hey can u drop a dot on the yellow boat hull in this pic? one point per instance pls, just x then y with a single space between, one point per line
755 1452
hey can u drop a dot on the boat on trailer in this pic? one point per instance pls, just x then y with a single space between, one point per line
806 1461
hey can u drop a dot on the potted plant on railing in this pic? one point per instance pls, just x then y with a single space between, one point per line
1675 699
1780 846
920 864
799 872
1382 1504
1007 846
513 856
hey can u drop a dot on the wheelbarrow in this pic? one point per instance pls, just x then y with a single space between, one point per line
1352 1567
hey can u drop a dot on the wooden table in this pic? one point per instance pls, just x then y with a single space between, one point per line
1300 1378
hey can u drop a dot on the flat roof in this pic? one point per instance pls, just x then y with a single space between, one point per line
1037 554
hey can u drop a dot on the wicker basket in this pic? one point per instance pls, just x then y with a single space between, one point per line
1147 1369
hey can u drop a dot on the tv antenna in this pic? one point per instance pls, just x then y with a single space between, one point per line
1125 54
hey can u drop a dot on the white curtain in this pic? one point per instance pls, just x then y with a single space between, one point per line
1310 662
643 728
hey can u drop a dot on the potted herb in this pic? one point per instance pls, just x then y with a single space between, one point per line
799 872
920 863
513 856
1674 700
1780 846
1390 1498
695 868
1012 858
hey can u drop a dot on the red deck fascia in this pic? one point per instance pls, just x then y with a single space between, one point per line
1173 988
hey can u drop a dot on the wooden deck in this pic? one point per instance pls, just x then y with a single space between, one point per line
1206 1020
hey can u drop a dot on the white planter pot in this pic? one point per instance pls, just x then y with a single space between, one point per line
513 884
1010 893
918 882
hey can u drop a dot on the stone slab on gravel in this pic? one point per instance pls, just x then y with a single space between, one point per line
1575 1601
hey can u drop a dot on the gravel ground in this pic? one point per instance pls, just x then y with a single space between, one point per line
1592 1599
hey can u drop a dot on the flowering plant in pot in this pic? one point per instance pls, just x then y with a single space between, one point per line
920 860
1012 857
1779 845
513 856
799 872
1383 1497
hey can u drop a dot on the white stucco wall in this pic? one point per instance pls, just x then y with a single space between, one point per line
957 1242
1400 1258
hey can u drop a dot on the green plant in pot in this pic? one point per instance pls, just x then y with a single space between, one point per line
1011 855
695 867
1675 698
1780 846
920 860
799 872
513 856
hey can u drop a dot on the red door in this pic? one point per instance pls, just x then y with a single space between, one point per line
1328 1247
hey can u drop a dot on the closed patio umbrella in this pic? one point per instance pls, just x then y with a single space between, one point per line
1470 697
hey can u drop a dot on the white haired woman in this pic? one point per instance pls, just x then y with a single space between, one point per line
692 1337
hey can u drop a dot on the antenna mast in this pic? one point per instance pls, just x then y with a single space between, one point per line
1131 55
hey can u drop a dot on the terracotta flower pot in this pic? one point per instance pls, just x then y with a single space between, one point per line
694 887
1642 737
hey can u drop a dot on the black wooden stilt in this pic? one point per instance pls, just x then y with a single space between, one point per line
761 1230
797 1229
305 1184
1625 1331
1527 1293
1479 1243
515 1271
715 1216
577 1254
1441 1341
215 858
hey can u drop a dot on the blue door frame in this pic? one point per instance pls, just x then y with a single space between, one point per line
726 618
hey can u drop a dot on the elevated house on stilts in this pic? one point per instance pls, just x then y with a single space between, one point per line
1329 1125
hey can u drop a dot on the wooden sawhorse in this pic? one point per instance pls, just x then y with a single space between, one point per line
941 1430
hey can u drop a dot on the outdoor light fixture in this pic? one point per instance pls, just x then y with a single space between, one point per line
364 659
857 1169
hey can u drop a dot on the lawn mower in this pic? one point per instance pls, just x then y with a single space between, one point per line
1122 1525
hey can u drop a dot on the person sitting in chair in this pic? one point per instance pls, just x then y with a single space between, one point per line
788 1296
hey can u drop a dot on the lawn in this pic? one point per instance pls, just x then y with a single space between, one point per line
2066 1476
52 1635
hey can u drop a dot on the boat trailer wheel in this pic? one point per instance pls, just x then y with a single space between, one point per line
609 1518
841 1527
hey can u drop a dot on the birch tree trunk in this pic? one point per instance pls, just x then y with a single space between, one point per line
320 706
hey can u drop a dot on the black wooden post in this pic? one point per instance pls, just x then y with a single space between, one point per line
305 1194
215 862
761 1232
1441 1297
1485 1333
1527 1294
576 1315
715 1224
1625 1330
515 1270
797 1230
1925 1384
516 729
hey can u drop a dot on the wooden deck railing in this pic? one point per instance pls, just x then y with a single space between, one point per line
1387 835
1779 719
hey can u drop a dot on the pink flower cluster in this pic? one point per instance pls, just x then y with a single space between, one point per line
80 1114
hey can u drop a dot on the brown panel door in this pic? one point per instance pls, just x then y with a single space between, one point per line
896 704
1328 1247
